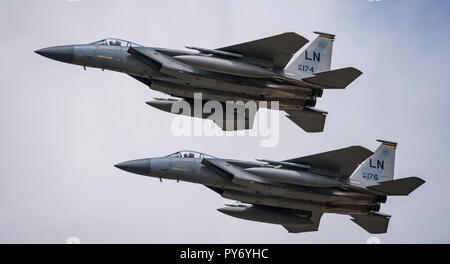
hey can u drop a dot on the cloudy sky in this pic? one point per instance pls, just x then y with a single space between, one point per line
63 128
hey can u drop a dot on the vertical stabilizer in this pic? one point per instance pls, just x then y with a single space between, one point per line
315 58
377 168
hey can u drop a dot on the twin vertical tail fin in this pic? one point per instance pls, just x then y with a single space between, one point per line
314 63
377 168
377 173
314 59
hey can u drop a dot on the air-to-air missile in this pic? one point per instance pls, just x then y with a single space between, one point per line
293 193
257 71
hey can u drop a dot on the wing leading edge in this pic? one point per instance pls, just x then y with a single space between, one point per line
278 49
342 161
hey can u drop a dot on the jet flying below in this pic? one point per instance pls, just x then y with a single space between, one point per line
257 71
293 193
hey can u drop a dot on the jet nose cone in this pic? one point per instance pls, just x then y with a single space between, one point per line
141 166
60 53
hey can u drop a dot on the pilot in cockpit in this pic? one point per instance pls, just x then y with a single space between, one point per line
116 42
190 154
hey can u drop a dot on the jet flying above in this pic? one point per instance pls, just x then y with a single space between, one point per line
294 193
255 71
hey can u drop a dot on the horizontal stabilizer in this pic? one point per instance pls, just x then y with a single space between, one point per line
343 161
309 120
374 223
335 79
403 186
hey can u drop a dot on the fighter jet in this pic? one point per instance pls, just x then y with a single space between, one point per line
256 71
294 193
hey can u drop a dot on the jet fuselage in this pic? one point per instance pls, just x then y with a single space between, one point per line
218 78
247 76
326 198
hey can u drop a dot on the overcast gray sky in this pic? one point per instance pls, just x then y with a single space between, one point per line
63 128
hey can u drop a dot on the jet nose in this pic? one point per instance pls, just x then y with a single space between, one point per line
60 53
141 166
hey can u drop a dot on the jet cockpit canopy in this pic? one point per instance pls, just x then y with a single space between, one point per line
190 154
116 42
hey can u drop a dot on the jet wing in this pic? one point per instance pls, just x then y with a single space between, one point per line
234 125
277 50
342 161
315 219
143 80
234 117
295 221
238 119
310 120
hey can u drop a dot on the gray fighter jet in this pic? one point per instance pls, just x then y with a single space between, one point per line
293 193
253 71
